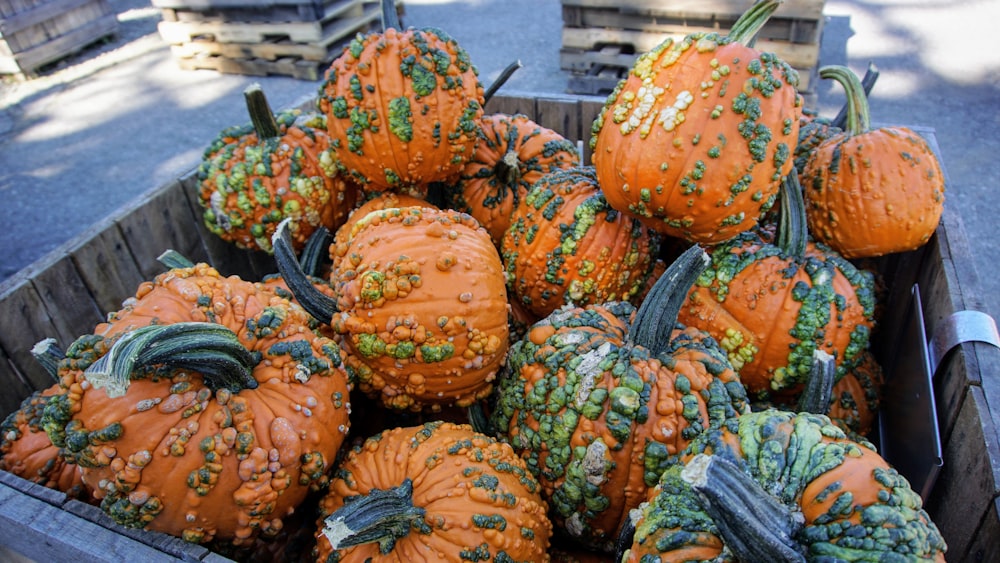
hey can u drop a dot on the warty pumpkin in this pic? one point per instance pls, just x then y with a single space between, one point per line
599 400
772 303
276 167
420 304
435 492
780 486
871 191
402 107
206 408
566 245
513 153
696 139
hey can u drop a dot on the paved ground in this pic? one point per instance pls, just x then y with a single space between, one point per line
121 118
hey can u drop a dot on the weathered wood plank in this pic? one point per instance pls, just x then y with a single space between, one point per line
790 8
107 265
23 322
67 298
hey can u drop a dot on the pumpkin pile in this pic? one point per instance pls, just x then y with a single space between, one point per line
477 347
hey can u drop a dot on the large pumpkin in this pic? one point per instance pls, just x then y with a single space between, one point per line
435 492
402 107
276 167
513 153
871 191
215 434
696 139
566 245
421 307
779 486
599 400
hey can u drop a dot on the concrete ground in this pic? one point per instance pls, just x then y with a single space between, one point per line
121 118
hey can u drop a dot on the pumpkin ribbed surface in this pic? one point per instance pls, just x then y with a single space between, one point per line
566 245
598 419
402 109
696 138
853 506
422 307
512 154
174 454
478 501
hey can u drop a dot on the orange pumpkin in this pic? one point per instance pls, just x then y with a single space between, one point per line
696 139
513 153
566 245
871 191
216 434
402 107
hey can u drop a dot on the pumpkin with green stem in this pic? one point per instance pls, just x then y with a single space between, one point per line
513 153
435 492
599 400
277 167
695 140
780 486
402 107
772 303
871 191
206 408
420 306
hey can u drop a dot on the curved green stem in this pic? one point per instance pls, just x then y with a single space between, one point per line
818 393
867 84
173 259
381 516
48 353
390 17
858 114
745 29
321 306
315 251
793 230
501 80
656 318
260 112
211 349
753 524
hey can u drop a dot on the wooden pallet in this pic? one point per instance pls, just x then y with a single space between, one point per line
300 49
35 33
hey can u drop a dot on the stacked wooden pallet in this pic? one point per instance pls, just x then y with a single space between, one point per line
602 38
35 33
297 38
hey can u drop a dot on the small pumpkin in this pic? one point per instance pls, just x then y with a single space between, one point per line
421 307
254 176
780 486
600 399
696 139
377 202
513 153
871 191
566 245
402 107
772 303
435 492
206 408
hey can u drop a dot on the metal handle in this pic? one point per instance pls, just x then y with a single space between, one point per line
958 328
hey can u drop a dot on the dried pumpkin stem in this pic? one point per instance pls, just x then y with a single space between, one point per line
321 306
745 30
818 393
390 17
753 524
656 318
867 84
793 230
315 250
211 349
260 112
48 354
381 516
858 112
502 79
173 259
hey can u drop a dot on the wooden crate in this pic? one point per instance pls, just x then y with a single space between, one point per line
602 38
67 292
34 33
297 38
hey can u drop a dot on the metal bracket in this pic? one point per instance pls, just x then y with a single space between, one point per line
958 328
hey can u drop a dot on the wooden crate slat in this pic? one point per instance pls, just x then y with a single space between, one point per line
807 9
222 4
67 298
23 323
35 57
40 13
107 266
16 387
